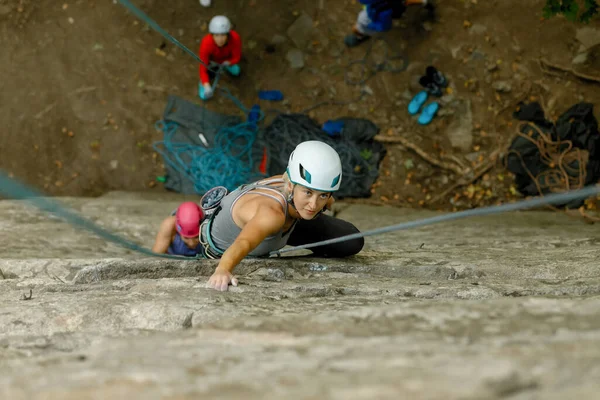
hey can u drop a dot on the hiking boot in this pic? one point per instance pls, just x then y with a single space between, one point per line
430 86
436 76
430 7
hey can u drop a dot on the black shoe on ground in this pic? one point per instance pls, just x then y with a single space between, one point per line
436 76
430 86
355 39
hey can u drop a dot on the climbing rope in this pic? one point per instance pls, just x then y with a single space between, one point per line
229 162
13 189
556 198
565 165
144 17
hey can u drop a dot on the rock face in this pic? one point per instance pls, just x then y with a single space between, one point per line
488 308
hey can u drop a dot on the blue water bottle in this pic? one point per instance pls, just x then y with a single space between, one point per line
272 95
254 116
333 128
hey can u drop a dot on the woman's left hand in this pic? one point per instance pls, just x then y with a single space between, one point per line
220 280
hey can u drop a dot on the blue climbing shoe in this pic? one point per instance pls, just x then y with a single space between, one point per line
417 102
201 93
233 69
428 113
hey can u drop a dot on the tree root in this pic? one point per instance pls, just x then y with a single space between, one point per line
547 68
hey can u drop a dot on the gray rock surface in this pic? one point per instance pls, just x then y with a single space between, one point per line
500 307
296 58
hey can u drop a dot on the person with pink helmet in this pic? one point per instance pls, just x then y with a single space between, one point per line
179 233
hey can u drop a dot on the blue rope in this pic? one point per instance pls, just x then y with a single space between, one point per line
217 69
13 189
228 163
144 17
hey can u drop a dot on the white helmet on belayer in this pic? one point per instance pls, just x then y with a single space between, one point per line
219 25
315 165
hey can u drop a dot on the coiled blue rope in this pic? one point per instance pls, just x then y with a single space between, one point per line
228 163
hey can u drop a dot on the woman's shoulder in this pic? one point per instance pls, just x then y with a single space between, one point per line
207 40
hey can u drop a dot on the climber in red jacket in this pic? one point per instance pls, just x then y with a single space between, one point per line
221 47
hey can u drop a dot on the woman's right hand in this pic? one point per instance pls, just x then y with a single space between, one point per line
220 280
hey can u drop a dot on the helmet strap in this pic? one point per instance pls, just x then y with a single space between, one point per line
290 200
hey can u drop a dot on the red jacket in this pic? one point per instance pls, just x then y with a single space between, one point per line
209 51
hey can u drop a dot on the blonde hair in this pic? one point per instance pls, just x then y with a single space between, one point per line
287 183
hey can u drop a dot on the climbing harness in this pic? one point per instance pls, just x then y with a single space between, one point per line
15 190
211 251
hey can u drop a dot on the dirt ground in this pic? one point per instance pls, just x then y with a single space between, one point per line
83 83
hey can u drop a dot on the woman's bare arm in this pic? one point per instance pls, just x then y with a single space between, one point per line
267 221
164 235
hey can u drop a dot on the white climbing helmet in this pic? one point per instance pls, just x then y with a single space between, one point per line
315 165
219 25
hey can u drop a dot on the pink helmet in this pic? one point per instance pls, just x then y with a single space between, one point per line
188 218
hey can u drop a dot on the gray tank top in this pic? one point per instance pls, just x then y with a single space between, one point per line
224 230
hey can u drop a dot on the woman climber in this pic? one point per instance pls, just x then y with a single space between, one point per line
222 47
377 15
264 216
179 233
